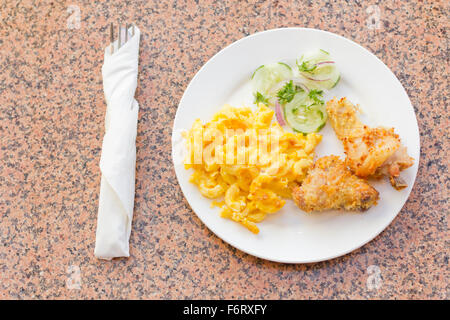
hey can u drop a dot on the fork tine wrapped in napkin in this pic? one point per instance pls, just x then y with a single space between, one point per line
118 159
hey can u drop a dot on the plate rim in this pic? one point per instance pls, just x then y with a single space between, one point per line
237 245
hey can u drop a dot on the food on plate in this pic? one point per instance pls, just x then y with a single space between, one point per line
371 152
331 185
260 98
318 69
306 111
296 94
251 164
266 76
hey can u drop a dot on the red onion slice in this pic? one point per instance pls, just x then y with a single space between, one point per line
279 114
324 62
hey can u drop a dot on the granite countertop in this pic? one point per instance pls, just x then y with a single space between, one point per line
52 112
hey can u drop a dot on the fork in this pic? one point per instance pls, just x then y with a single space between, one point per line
119 42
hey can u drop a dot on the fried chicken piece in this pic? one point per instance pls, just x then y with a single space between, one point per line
371 152
331 185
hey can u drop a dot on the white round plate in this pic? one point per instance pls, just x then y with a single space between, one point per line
291 235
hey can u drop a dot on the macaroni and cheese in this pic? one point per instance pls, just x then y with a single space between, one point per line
247 163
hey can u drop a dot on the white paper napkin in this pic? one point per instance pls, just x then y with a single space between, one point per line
118 159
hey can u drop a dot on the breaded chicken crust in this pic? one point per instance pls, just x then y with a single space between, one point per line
331 185
370 151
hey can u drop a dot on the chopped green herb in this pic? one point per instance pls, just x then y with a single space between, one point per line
259 98
287 93
315 94
308 107
324 51
305 68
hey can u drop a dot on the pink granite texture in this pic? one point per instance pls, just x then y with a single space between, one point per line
52 123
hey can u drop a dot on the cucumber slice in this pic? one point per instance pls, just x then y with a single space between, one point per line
305 115
319 70
268 75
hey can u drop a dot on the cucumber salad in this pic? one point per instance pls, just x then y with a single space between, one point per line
297 94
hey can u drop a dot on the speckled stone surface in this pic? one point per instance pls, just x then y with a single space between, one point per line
51 127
